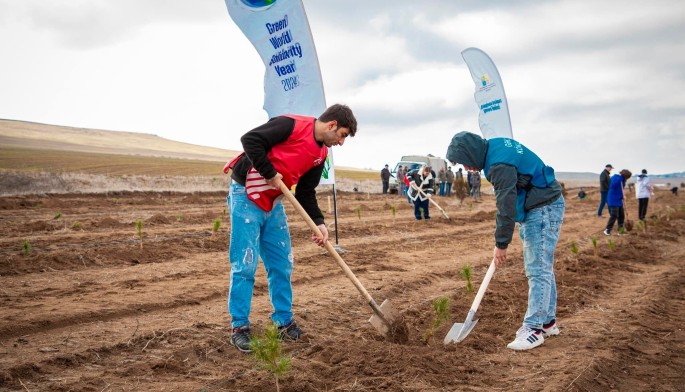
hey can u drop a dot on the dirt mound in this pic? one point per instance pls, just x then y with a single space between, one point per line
157 219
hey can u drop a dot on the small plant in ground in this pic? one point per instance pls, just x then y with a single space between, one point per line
612 246
179 217
267 353
594 245
26 247
574 247
621 230
358 210
57 216
215 228
441 312
76 225
466 273
139 231
470 205
641 226
394 211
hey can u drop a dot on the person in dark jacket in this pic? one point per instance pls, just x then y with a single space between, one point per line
289 149
615 198
423 179
527 192
385 178
604 179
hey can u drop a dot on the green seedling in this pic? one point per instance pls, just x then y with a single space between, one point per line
641 226
594 245
621 230
267 353
612 246
394 211
466 273
470 205
76 225
179 217
441 312
215 228
574 247
139 231
26 247
57 216
358 210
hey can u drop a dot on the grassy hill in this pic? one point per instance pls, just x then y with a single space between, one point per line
33 148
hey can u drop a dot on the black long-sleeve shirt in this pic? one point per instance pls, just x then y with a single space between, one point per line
258 142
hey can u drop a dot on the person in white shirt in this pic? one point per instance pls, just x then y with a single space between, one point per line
643 191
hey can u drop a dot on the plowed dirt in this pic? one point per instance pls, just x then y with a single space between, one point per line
88 309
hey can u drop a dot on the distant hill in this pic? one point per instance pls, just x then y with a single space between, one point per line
54 137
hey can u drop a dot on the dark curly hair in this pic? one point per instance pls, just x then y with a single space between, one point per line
343 115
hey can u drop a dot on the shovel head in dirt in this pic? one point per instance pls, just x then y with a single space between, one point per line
460 331
387 318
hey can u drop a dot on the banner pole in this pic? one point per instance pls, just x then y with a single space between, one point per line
335 219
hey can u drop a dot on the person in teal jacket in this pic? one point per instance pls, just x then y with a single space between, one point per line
527 192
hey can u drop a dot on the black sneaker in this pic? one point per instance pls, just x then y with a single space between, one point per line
240 338
290 331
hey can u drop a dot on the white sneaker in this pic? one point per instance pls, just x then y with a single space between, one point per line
526 339
552 330
607 232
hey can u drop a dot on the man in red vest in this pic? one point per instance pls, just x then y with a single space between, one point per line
291 149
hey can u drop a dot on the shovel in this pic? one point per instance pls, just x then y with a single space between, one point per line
431 200
386 319
460 331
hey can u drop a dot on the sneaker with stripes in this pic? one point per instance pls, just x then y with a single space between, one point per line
526 338
550 329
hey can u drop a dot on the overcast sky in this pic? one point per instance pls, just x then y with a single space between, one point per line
588 82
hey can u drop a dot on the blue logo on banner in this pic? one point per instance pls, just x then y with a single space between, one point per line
258 3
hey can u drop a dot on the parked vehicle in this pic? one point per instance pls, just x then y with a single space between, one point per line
415 162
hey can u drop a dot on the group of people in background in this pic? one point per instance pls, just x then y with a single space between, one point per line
612 194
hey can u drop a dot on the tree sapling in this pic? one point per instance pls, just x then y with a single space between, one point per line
466 273
139 231
215 228
441 312
26 247
267 353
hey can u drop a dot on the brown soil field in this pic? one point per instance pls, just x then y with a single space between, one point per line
88 309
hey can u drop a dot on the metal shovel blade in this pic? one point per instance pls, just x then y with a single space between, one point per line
389 314
459 332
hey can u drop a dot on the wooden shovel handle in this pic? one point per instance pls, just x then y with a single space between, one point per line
329 247
483 286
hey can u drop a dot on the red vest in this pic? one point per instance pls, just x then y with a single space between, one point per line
292 158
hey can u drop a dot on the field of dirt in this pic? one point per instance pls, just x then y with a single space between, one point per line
86 308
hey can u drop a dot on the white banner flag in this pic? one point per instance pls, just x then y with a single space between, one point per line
280 32
494 118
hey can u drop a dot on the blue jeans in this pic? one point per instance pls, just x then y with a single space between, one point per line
602 202
442 189
448 189
256 233
540 232
418 205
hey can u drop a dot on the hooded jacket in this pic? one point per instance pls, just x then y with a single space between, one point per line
516 173
643 188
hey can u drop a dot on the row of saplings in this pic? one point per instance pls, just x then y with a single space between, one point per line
27 248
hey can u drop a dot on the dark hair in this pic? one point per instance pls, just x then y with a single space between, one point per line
644 171
343 115
626 173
